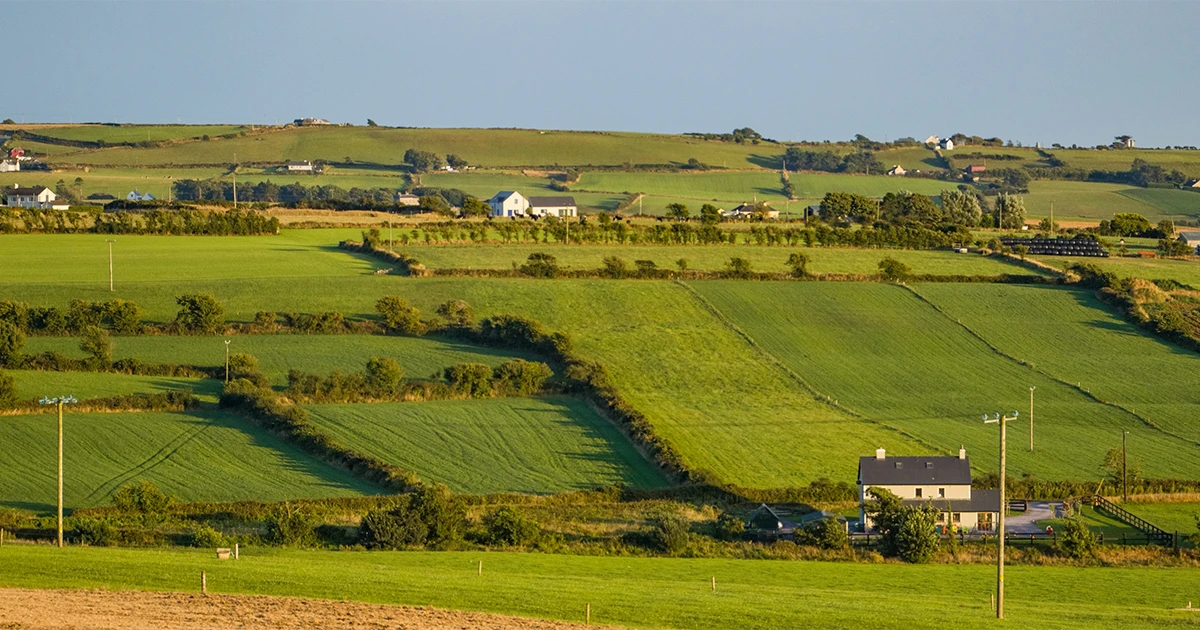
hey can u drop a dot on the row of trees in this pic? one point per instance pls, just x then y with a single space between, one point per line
861 161
175 222
959 208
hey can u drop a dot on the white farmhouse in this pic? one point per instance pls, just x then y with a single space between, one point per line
947 144
33 197
553 206
942 482
10 165
134 195
508 203
302 165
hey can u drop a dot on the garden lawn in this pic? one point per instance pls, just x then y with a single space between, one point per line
1101 523
195 456
642 592
531 445
880 351
420 357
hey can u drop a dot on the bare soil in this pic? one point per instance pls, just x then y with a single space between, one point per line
28 609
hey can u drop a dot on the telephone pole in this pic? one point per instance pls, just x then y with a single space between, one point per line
234 182
1031 418
1002 420
1124 466
227 359
59 401
110 264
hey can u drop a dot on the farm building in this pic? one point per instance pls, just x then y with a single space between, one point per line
947 144
749 209
302 165
134 195
976 168
897 170
933 141
942 482
1192 239
10 165
552 206
32 197
16 153
1195 183
508 203
407 199
767 520
302 122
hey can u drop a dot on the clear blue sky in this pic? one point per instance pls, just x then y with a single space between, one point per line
1069 72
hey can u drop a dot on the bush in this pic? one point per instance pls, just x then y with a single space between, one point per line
12 342
96 531
265 319
291 526
443 515
242 365
473 379
199 314
206 537
521 378
729 527
1076 540
540 265
398 316
8 392
507 526
799 264
670 533
392 529
455 312
384 375
737 268
893 270
123 316
916 540
826 533
98 346
143 497
614 267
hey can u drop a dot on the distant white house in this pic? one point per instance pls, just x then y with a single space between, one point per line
553 207
32 197
947 144
10 165
897 170
303 165
1191 238
407 199
134 195
508 203
311 121
749 209
933 141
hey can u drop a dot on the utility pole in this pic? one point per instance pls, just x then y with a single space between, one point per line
391 243
59 401
227 359
1052 230
1003 422
1124 466
234 184
110 265
1031 418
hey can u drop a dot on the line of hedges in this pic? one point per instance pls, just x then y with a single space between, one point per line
163 401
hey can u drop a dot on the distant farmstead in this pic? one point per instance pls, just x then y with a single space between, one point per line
134 195
943 483
947 144
508 203
305 122
16 153
302 165
976 168
10 165
897 170
1190 238
553 207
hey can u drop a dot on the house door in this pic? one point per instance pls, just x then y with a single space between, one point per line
985 521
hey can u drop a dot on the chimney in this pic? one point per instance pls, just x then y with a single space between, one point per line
880 453
962 452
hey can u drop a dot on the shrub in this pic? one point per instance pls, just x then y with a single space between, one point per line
206 536
48 320
8 391
143 497
12 342
799 264
98 346
199 313
455 312
242 365
265 319
327 323
384 375
826 533
670 533
123 316
82 315
916 540
443 514
893 270
506 526
729 527
392 529
521 378
614 267
737 268
398 316
1076 540
291 526
540 265
96 531
473 379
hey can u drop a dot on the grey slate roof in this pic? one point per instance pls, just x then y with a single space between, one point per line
502 195
551 202
907 471
980 501
35 190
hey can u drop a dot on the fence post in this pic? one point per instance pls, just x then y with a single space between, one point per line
714 584
235 550
203 583
587 620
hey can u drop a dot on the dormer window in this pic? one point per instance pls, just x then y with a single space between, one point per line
928 464
899 464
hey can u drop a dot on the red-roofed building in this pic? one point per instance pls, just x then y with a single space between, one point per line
16 153
976 168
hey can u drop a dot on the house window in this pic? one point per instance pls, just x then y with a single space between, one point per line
958 518
941 517
941 493
985 521
918 493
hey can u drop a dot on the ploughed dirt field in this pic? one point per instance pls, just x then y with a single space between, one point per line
25 609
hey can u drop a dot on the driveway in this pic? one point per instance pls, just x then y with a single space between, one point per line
1038 511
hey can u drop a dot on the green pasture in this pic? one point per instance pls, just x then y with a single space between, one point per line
1185 271
480 147
113 181
35 384
743 186
1069 335
1100 522
641 592
1171 203
276 354
531 445
39 149
1172 517
919 158
136 133
1186 161
880 351
1088 201
195 456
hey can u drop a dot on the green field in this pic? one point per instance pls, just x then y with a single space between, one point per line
884 353
196 456
533 445
741 187
276 354
1172 203
1087 201
643 592
35 384
136 133
1172 517
117 182
919 158
1119 160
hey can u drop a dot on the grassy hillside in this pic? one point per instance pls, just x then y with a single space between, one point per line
113 181
743 186
1119 160
1185 271
642 592
535 445
481 147
196 456
1171 203
136 133
35 384
420 357
884 353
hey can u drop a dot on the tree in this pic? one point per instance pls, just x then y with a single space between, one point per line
384 375
142 497
905 531
678 211
435 204
242 365
472 379
371 123
506 526
12 344
521 378
826 533
8 391
1076 540
696 165
961 208
444 515
799 264
455 162
1112 465
540 265
709 214
455 312
614 267
1010 212
399 316
1172 247
1167 228
422 161
1128 224
682 264
670 532
199 314
893 270
473 207
98 346
738 268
